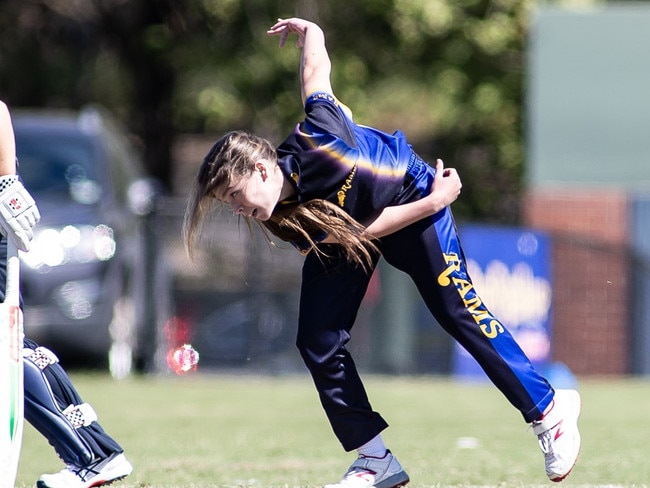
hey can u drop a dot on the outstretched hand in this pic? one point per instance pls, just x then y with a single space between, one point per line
284 27
315 65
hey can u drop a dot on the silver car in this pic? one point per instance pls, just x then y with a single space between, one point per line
84 282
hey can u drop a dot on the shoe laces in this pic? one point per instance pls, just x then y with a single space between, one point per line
83 472
545 441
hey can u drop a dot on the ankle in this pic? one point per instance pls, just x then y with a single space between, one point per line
374 448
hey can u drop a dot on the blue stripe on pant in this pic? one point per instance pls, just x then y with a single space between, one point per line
430 252
432 255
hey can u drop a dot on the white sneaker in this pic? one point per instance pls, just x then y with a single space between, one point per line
558 434
369 472
104 472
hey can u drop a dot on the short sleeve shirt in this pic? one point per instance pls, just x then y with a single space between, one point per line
328 156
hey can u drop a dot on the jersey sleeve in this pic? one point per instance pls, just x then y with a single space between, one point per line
325 115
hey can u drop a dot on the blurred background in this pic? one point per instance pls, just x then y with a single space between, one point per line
542 106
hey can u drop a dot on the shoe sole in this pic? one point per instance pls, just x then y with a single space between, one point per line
395 481
109 482
42 484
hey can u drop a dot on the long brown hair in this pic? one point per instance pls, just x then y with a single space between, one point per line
233 156
308 222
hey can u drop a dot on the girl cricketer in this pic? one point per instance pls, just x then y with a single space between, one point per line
345 194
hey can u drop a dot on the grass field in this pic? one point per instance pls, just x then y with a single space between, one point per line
213 430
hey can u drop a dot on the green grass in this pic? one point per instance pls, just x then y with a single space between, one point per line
215 430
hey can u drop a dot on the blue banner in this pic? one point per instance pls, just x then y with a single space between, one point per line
510 269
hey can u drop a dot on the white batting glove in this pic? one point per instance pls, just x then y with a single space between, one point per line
18 212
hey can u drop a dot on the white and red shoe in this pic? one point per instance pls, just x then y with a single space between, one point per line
558 434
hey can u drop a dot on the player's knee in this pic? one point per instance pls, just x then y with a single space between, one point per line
321 349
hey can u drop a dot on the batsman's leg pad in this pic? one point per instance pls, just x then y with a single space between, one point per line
53 406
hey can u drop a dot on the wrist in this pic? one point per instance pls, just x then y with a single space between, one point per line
436 203
6 181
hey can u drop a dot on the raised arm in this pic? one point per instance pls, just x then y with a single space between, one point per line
315 64
445 190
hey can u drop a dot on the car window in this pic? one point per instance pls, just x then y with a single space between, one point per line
58 166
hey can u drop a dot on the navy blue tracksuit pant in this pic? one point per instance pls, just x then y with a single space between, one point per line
429 251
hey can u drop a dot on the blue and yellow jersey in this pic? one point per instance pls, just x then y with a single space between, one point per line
328 156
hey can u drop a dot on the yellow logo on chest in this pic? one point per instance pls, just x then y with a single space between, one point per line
341 194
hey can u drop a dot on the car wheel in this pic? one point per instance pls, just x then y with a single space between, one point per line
122 330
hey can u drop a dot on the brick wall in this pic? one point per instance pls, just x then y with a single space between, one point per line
591 270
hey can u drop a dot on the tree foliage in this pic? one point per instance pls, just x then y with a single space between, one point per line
449 73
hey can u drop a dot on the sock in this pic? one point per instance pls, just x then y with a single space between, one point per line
373 448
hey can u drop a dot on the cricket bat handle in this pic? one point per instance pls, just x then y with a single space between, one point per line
12 288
